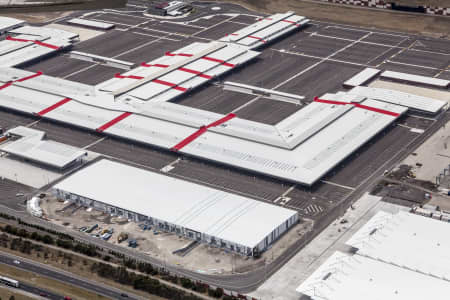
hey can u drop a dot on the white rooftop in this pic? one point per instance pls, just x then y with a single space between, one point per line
416 79
7 23
408 240
348 277
416 102
217 213
362 77
398 256
32 146
90 23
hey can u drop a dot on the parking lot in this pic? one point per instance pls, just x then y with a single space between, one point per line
310 62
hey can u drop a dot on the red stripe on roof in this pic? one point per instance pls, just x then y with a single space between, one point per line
218 60
54 106
292 22
189 139
201 131
316 99
10 38
257 38
117 75
113 121
172 85
46 45
154 65
198 73
378 110
38 73
6 85
222 120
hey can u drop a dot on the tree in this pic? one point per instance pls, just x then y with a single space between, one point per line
12 298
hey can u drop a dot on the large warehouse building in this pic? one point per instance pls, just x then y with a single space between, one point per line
197 212
397 256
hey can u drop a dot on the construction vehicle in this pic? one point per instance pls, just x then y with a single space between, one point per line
122 237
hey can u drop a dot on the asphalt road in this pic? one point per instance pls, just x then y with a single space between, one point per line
59 275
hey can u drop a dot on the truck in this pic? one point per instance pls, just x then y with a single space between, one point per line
9 281
92 228
122 237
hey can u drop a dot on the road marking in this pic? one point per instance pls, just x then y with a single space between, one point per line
214 25
339 185
158 37
169 167
302 72
184 24
81 70
290 189
95 143
33 123
412 65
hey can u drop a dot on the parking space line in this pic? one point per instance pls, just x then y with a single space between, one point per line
109 11
384 52
220 23
302 72
33 123
95 142
339 185
158 37
412 65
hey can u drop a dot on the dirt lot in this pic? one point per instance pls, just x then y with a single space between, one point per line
203 258
383 19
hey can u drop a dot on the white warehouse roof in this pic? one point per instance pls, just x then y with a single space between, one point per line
390 238
442 83
420 103
7 23
399 256
362 77
217 213
32 146
348 277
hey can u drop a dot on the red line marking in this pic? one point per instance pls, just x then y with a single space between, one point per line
218 60
113 121
198 73
38 73
222 120
46 45
54 106
379 110
257 38
6 85
291 22
316 99
201 131
117 75
189 139
10 38
172 85
154 65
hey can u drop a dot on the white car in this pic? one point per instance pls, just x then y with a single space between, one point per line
16 262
